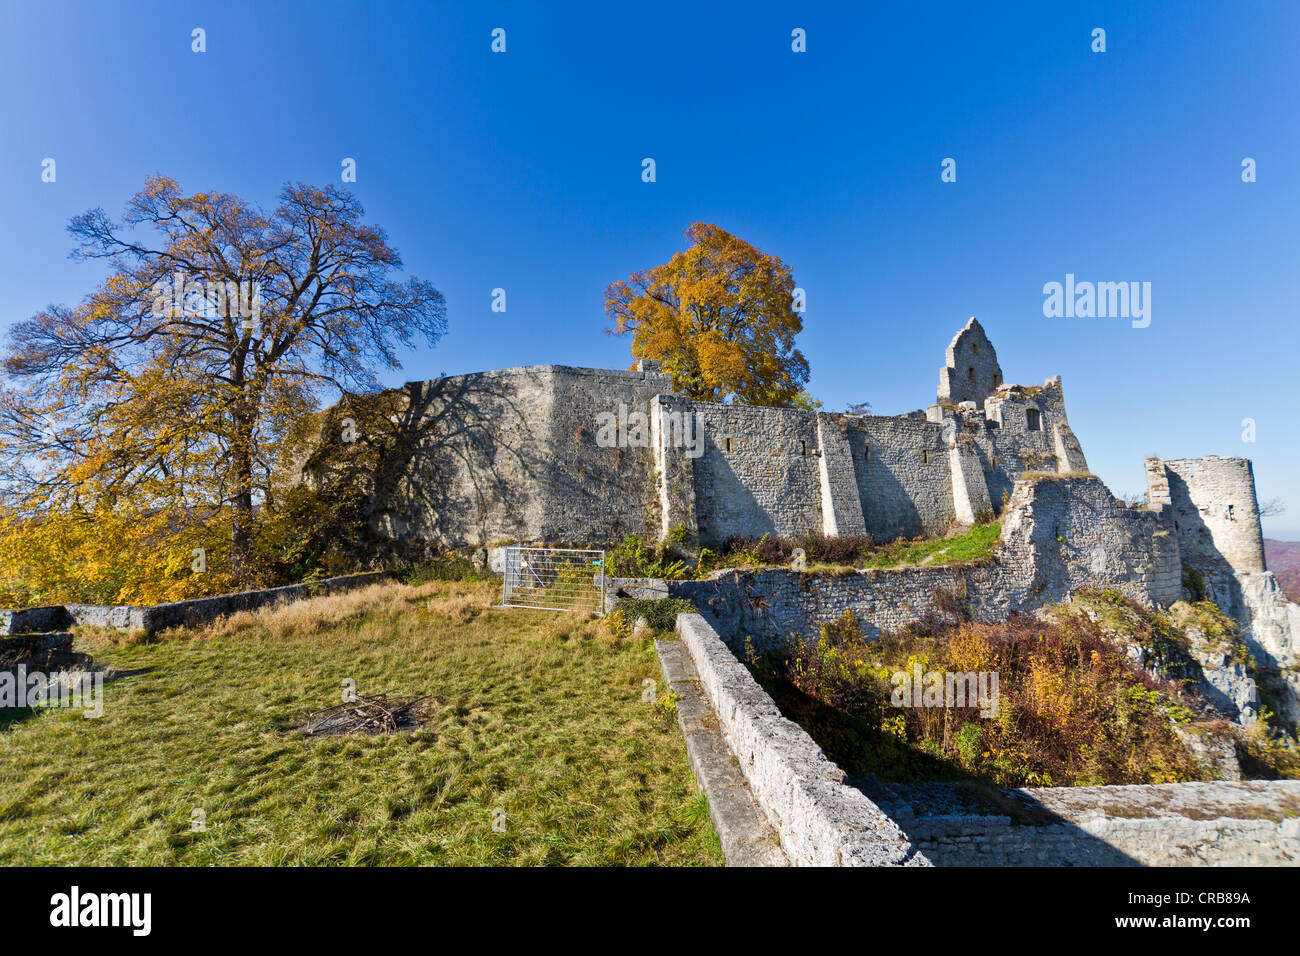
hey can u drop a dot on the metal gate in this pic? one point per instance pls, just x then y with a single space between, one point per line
555 579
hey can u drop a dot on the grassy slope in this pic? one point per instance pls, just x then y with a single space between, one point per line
971 545
539 714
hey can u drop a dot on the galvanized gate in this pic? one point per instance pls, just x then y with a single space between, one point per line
556 579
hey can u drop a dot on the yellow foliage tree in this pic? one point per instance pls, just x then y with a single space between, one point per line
152 420
720 316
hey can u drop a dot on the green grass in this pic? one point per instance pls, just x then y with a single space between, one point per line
976 543
538 715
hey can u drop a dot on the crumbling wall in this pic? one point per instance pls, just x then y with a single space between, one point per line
513 455
1081 536
1215 512
971 371
1021 429
1060 536
1212 505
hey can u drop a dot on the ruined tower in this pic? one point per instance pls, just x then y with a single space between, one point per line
1216 516
971 371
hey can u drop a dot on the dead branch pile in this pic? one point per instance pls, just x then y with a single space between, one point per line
381 714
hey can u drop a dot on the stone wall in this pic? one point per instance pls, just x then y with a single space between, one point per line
841 501
1059 536
1249 823
971 372
902 470
1079 536
823 818
1216 515
819 819
157 617
1212 507
514 455
759 473
34 619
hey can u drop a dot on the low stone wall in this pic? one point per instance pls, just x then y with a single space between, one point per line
177 613
202 610
770 606
34 620
1249 823
28 648
1059 536
822 818
819 819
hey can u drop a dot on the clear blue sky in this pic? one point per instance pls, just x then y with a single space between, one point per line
523 171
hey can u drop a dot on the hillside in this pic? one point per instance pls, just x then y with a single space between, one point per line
1283 559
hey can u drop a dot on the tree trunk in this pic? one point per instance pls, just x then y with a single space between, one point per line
241 527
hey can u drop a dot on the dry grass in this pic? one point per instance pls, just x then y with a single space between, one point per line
541 719
460 607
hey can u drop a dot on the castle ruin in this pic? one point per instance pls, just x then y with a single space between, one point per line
558 455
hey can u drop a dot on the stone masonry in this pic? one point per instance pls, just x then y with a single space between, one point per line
520 455
557 455
971 372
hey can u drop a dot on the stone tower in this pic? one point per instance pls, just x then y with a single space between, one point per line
1215 511
971 371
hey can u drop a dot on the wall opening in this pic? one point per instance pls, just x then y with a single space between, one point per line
803 448
1034 419
1231 517
728 446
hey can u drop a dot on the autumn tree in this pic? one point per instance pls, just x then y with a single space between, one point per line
721 318
171 389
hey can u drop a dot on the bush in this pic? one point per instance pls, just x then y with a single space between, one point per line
660 614
633 558
449 567
1071 708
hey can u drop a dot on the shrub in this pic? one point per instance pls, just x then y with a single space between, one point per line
633 558
1072 709
660 614
617 623
449 567
818 548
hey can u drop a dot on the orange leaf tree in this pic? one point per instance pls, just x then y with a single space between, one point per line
720 317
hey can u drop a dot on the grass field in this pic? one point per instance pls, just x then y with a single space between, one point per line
537 715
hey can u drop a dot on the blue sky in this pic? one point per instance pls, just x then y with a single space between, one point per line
522 171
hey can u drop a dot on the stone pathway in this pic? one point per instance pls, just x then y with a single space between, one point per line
746 836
